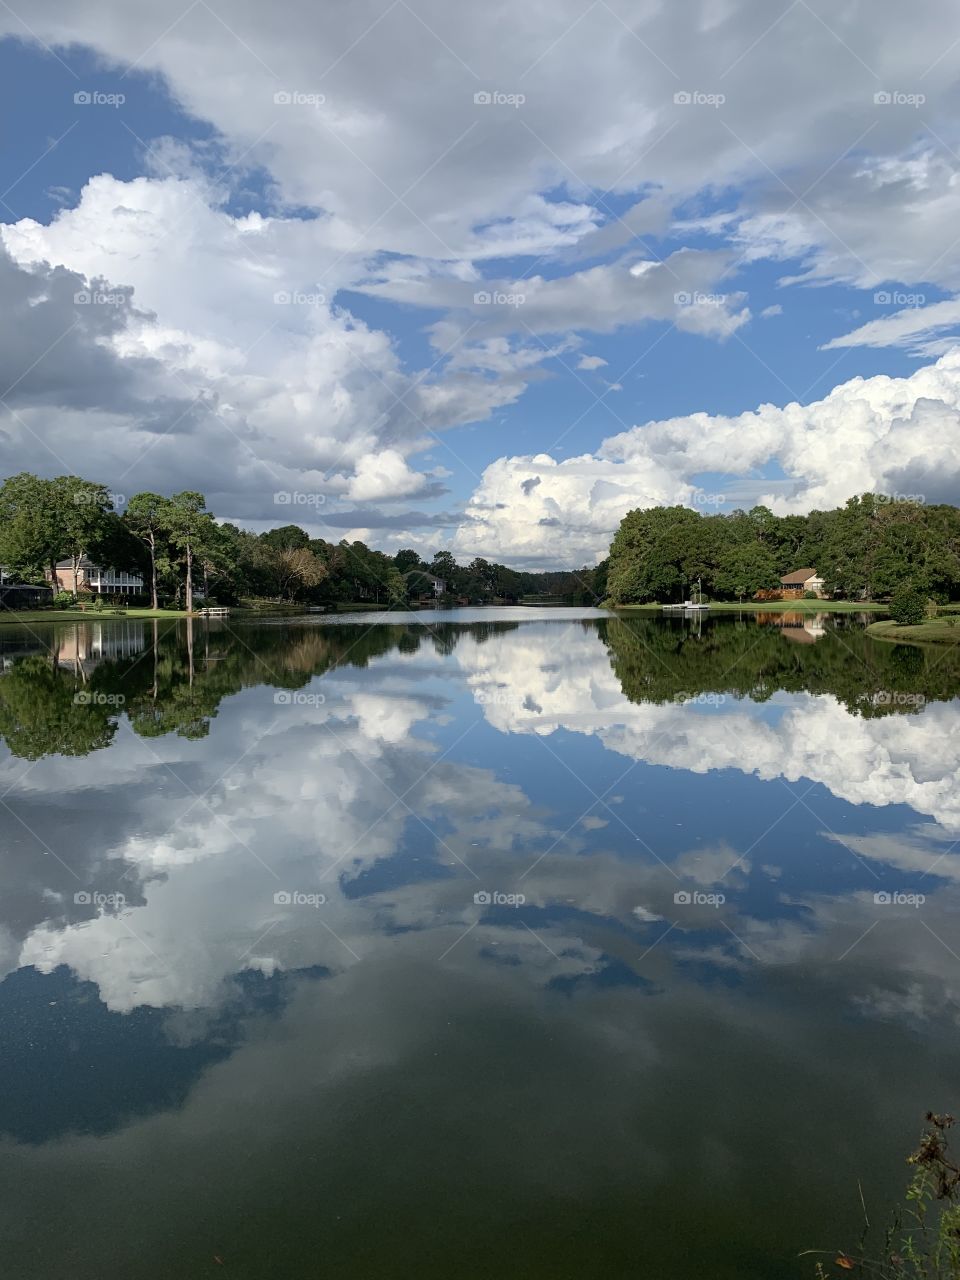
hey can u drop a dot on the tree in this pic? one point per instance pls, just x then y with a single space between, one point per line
188 524
146 517
83 512
43 712
908 607
407 559
291 568
746 569
288 537
656 554
42 521
30 538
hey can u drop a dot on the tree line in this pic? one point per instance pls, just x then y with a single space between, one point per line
869 548
182 551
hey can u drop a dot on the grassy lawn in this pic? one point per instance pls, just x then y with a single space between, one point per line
768 606
82 615
930 631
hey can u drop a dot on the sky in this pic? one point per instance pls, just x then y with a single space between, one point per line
482 277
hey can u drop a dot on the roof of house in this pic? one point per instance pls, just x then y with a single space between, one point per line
798 576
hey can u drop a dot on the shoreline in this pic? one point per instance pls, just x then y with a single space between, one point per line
765 606
935 631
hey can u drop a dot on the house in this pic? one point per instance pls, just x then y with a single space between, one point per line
98 580
801 628
796 584
83 647
424 586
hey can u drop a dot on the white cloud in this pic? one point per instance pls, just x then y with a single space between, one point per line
383 475
887 435
548 679
918 328
591 362
437 174
271 387
601 299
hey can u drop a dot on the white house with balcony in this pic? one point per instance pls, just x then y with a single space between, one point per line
98 579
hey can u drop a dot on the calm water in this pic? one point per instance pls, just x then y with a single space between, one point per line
478 944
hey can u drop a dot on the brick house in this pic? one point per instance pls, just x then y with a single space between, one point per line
796 584
98 580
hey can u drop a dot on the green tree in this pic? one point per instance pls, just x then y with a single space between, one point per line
746 569
147 518
30 537
288 537
83 513
908 607
45 712
188 525
657 554
407 559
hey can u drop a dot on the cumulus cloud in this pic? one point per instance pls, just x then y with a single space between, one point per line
548 682
877 434
251 376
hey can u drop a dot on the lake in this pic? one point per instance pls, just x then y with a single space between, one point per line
481 943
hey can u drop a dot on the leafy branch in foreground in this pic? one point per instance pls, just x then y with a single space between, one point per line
922 1241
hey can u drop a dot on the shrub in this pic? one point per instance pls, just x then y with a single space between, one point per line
908 607
922 1242
63 599
810 595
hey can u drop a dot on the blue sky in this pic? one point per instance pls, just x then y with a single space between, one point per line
292 263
